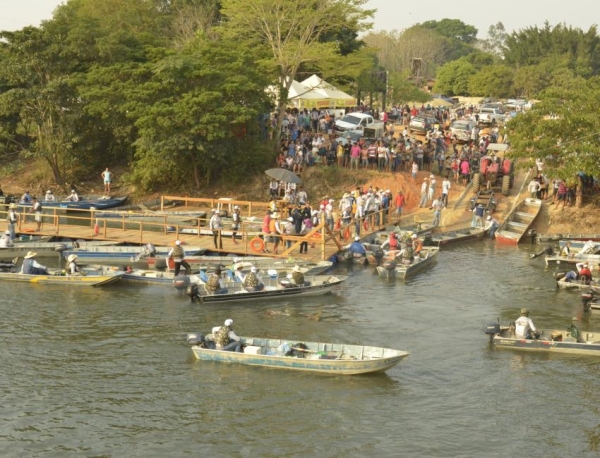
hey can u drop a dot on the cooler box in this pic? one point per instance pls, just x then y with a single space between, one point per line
252 350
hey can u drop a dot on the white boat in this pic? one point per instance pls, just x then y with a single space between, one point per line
50 249
318 357
397 269
119 254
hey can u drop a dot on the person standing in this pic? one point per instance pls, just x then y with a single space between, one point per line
432 183
73 197
107 177
11 221
533 188
437 205
446 185
49 197
424 191
399 201
215 225
235 224
414 170
177 254
5 240
36 209
478 212
491 226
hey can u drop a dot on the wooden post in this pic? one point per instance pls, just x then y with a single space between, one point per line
162 202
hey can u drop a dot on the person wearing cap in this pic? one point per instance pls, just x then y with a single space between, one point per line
225 338
215 225
236 221
491 226
356 249
301 196
215 283
73 197
25 198
72 267
431 191
524 327
36 209
437 206
296 276
31 266
11 221
289 228
177 254
252 281
49 197
417 244
6 240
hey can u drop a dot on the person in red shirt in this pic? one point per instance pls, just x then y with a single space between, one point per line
399 203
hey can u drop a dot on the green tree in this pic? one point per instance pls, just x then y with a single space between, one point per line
290 34
496 40
493 80
562 129
453 78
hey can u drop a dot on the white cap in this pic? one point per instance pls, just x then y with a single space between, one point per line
252 269
236 207
48 192
290 219
71 258
414 236
357 238
177 242
7 232
228 322
214 210
72 190
489 217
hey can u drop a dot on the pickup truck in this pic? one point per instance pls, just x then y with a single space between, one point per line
491 116
356 121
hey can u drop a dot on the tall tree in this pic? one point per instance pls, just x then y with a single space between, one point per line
454 77
493 80
290 32
496 40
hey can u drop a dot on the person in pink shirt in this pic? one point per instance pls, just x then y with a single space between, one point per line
354 156
465 171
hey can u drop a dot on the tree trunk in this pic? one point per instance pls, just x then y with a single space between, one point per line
579 193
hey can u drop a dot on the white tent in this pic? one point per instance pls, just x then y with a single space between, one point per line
316 93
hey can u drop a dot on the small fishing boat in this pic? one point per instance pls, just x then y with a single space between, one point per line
396 269
275 288
577 285
57 278
101 203
457 236
570 340
542 238
589 252
175 217
325 358
49 249
518 222
578 246
120 254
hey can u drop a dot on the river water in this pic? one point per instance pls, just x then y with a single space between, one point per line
107 372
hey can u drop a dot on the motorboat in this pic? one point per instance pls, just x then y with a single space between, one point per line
317 357
398 269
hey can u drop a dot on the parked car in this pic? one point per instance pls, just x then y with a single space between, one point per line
491 116
421 123
352 135
355 121
461 128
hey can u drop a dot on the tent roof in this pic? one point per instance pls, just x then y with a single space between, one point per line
300 91
322 87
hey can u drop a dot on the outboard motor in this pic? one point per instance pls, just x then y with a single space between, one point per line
192 291
532 236
491 329
195 338
548 251
559 275
389 265
181 282
60 247
586 301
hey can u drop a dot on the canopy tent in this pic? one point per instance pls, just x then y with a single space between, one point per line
313 92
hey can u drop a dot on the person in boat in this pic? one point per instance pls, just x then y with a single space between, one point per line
225 338
524 327
357 249
391 243
491 226
31 266
72 267
406 254
566 250
177 254
6 240
215 283
252 281
26 198
239 273
583 272
73 197
297 276
49 197
417 245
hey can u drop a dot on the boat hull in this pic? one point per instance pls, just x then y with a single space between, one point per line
349 359
451 237
518 222
95 280
407 271
590 345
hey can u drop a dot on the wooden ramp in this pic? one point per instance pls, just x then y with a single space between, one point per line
322 242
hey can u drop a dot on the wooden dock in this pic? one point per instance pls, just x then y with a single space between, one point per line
84 224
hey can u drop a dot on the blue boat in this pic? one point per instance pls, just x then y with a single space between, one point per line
119 254
84 204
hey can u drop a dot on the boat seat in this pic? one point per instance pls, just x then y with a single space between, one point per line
512 234
517 224
524 215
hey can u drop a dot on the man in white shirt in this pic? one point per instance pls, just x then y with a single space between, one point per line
533 188
524 327
6 240
446 185
49 197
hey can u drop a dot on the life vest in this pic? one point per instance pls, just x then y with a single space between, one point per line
212 285
222 336
251 280
418 246
297 278
177 252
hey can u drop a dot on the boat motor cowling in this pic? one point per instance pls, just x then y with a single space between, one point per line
192 291
181 282
491 328
195 338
